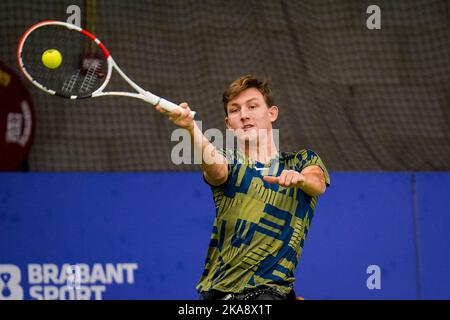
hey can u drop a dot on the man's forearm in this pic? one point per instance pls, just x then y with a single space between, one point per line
313 184
213 164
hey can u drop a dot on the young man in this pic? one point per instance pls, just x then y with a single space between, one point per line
265 199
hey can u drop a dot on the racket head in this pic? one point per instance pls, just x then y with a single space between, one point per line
86 64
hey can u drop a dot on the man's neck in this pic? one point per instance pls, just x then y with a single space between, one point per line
263 151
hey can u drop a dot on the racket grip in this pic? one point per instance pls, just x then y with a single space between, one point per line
169 106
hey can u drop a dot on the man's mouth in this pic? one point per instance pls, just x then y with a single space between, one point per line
247 127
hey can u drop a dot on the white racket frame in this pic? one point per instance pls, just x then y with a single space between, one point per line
141 94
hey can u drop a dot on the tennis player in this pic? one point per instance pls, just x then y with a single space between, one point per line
264 198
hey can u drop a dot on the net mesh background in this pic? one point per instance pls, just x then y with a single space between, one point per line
363 99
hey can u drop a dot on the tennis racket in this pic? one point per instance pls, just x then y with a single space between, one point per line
86 66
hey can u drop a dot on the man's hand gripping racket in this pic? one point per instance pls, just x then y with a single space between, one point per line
75 77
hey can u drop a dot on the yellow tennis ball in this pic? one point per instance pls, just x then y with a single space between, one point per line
52 58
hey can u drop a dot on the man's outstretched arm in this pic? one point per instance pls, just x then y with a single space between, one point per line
214 165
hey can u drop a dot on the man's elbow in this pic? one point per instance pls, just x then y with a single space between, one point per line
217 177
322 189
317 190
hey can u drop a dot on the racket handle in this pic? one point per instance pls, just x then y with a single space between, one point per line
169 106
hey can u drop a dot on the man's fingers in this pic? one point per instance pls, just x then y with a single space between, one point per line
288 180
282 177
270 179
159 109
162 110
186 112
176 113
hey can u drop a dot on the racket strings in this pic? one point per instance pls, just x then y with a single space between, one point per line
91 77
69 84
83 66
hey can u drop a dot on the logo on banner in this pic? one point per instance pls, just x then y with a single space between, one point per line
66 282
10 278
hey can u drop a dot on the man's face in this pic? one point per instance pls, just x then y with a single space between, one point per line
249 115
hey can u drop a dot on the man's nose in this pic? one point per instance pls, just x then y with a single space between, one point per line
244 113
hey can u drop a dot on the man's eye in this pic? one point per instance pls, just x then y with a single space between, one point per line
233 110
252 107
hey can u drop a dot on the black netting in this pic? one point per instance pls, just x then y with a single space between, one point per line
363 99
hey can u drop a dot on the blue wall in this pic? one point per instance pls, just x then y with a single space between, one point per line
161 222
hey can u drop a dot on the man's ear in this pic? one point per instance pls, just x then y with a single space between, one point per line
273 113
227 123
